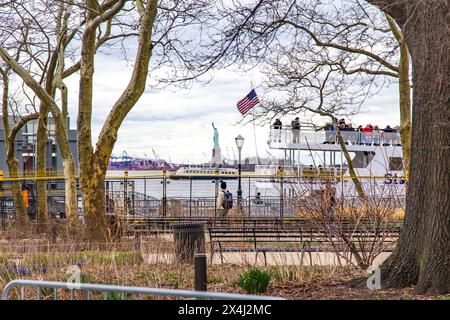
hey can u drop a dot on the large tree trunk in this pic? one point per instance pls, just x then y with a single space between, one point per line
93 182
422 256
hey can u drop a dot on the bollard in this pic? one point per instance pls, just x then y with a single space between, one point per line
200 272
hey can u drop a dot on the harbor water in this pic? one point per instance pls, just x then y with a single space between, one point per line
151 184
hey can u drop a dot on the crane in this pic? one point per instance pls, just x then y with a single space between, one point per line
158 161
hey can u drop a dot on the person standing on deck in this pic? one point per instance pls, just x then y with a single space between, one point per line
295 126
278 126
329 133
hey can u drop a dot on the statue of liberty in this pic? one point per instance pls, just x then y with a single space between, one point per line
216 157
216 137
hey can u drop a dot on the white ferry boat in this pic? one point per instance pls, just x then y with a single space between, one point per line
204 173
377 159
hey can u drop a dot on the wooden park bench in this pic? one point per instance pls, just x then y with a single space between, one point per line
151 225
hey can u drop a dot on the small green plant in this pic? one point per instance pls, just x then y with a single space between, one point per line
128 258
379 297
254 281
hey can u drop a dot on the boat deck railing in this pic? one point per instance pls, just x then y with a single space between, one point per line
285 135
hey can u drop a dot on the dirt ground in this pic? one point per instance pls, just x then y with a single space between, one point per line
337 290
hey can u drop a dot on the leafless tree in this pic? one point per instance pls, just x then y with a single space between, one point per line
168 31
422 256
298 44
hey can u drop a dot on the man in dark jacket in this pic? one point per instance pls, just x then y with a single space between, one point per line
277 125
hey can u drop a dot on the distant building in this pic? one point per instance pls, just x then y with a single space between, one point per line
26 148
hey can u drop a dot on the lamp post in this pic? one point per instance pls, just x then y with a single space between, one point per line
239 143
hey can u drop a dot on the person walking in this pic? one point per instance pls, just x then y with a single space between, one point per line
224 201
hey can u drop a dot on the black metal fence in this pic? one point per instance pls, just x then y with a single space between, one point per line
195 196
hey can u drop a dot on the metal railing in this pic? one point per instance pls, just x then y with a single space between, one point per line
286 135
154 196
124 291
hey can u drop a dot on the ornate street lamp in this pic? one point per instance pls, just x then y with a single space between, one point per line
239 143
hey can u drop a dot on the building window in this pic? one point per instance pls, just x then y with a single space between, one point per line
395 163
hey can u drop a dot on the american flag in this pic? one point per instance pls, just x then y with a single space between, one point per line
248 102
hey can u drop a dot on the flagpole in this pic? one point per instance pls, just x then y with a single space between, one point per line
254 127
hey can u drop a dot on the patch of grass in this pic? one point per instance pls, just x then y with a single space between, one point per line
215 278
173 280
4 259
254 281
285 274
126 258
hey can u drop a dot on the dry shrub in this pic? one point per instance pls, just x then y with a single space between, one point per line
359 231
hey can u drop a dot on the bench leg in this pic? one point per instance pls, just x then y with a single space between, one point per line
221 253
212 251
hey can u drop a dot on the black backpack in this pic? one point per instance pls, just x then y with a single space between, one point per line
227 200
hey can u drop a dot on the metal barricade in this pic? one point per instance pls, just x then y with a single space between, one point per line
122 290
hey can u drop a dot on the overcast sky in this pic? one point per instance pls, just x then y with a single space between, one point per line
177 124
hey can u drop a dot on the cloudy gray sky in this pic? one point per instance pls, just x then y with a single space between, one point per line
177 123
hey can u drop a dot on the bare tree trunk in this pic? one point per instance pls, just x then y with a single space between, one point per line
41 185
351 169
94 204
404 94
20 210
422 255
405 106
71 195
